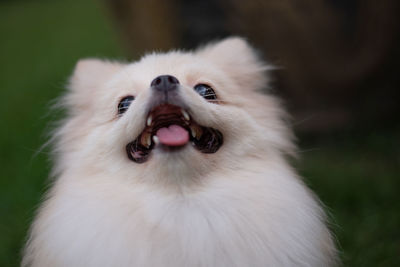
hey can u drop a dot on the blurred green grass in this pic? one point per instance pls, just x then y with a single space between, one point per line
356 176
40 42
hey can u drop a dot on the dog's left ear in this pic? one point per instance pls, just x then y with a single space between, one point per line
88 78
239 60
91 73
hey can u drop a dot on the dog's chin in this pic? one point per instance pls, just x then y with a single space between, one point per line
176 167
162 154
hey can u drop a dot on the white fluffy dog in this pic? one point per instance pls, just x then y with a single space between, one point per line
176 160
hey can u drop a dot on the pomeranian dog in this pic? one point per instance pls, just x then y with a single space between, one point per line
176 160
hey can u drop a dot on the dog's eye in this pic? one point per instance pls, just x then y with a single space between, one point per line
205 91
124 104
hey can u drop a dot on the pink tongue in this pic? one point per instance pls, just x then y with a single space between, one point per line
174 135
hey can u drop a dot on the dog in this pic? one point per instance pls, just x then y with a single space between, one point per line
179 159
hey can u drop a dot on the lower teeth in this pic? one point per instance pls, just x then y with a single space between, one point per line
196 131
206 140
156 140
210 141
145 139
137 152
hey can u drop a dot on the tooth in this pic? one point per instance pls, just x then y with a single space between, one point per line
196 131
185 115
146 140
149 120
193 131
156 140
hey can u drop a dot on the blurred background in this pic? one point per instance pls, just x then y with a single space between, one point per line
339 62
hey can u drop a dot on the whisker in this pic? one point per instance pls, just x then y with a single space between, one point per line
220 101
307 150
306 119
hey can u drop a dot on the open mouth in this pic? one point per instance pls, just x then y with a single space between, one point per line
171 127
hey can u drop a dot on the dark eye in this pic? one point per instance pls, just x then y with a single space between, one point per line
124 104
205 91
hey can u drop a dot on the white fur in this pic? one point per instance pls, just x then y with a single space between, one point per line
242 206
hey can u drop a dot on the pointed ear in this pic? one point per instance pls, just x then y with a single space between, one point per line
88 77
239 60
90 73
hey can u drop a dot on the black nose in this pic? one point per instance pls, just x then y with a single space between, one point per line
164 83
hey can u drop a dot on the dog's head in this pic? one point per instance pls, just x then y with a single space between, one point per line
178 116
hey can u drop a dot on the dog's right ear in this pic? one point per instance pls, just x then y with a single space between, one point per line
238 59
88 78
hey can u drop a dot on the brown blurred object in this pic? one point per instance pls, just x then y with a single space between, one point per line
325 66
146 25
338 68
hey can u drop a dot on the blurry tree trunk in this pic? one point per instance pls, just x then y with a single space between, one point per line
146 25
325 61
